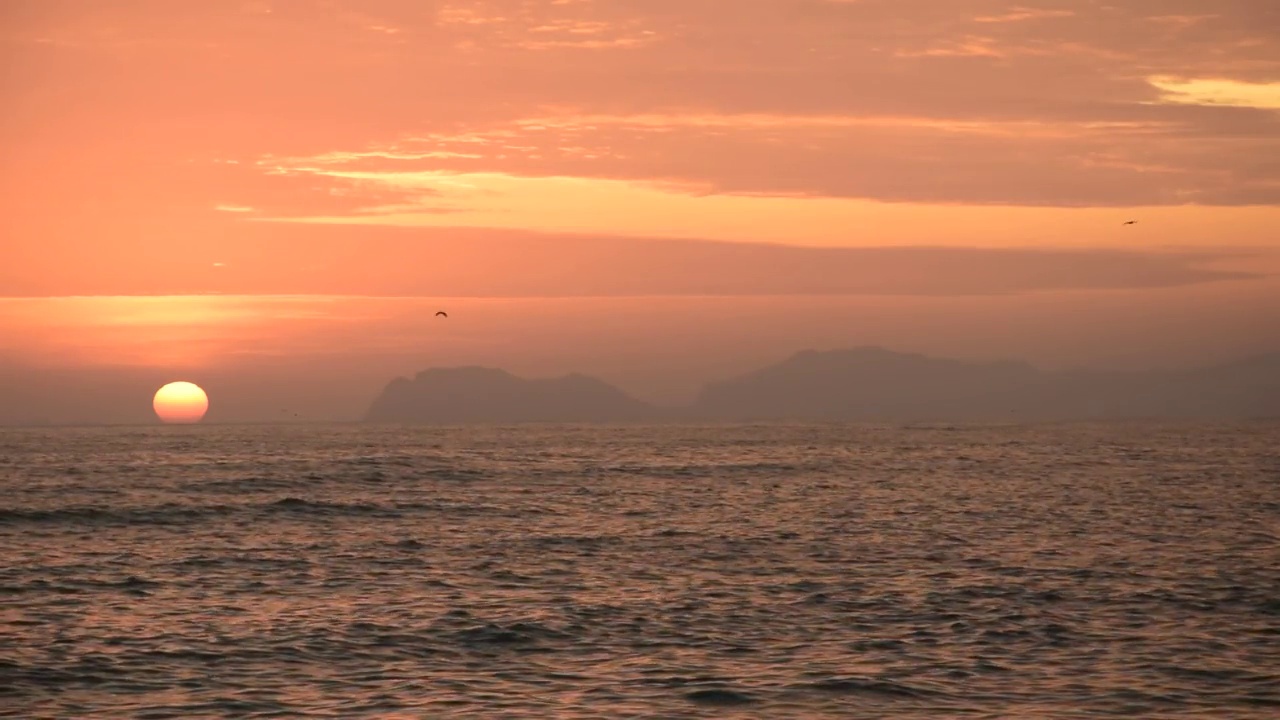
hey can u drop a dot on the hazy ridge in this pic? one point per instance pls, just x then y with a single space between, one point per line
867 383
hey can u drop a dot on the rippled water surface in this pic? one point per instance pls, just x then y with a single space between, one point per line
753 571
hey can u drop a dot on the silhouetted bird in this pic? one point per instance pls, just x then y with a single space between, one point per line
441 312
1130 222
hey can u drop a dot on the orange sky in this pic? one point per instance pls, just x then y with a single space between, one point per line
279 193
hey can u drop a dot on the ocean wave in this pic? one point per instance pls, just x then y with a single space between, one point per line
784 573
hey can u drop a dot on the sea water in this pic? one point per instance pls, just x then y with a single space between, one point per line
774 571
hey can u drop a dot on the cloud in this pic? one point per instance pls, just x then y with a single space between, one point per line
1022 14
1117 159
798 121
1214 92
454 262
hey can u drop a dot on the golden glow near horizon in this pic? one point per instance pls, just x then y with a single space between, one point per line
180 403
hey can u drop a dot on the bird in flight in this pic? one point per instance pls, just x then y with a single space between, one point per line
442 313
1130 222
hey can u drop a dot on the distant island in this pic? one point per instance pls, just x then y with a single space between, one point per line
862 384
484 395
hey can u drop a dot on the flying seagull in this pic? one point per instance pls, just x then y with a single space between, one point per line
1130 222
441 312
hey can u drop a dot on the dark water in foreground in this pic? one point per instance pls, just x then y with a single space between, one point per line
769 571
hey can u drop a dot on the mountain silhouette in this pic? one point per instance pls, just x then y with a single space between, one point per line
467 395
878 384
859 384
869 384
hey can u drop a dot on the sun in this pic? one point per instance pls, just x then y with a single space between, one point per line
180 402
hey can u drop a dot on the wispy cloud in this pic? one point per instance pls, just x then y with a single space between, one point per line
1137 156
972 46
1218 92
457 262
1022 14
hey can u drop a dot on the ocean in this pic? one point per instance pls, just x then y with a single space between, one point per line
771 571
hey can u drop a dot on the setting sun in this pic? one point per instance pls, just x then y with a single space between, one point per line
180 403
